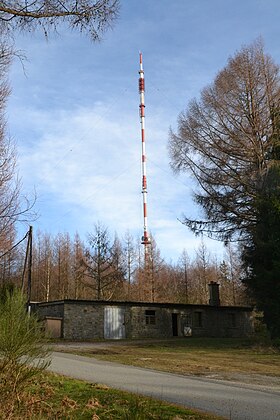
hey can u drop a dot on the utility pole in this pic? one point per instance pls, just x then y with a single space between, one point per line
29 273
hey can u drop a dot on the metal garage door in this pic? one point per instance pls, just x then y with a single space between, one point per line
114 326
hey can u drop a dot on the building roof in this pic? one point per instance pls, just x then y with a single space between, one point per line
142 304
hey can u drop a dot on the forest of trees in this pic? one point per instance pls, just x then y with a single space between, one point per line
110 268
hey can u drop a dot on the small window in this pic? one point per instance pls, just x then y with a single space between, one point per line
150 317
197 319
231 320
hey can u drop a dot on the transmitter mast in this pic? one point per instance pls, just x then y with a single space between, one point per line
146 241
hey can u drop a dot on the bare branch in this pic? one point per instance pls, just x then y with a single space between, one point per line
91 17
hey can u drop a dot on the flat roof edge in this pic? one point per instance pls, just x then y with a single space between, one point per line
135 303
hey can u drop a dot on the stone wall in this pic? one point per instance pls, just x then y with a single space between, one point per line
162 328
198 322
223 322
50 309
84 320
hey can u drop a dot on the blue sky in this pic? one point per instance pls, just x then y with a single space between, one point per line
74 113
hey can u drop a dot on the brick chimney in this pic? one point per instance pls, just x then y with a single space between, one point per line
214 294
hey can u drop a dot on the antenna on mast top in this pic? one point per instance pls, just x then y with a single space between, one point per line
145 238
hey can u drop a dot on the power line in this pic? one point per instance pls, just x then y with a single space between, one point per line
7 252
178 181
85 134
97 190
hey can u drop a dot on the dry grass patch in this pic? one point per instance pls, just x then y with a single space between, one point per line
193 356
55 397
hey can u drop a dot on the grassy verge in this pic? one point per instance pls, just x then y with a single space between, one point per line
195 356
55 397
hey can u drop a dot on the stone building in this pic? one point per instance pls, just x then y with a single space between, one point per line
86 320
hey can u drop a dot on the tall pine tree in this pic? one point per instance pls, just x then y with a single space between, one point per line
262 255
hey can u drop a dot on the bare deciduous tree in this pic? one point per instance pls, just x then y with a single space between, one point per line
13 206
130 263
77 269
205 272
63 259
101 264
225 140
92 17
183 268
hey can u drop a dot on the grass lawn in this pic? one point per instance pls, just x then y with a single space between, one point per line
55 397
195 356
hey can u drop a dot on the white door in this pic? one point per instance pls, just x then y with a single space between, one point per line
114 326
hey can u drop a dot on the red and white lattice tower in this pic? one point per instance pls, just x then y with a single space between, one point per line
145 238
